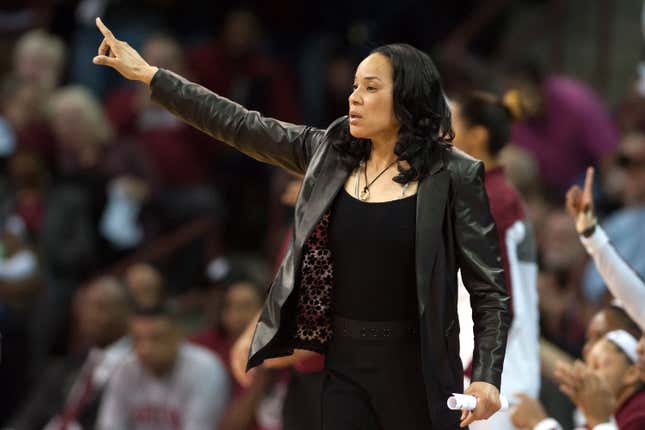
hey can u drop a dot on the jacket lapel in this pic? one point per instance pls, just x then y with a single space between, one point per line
431 202
330 177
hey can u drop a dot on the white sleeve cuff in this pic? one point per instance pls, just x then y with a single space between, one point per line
549 424
611 425
596 241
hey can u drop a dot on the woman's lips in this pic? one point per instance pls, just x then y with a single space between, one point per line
354 118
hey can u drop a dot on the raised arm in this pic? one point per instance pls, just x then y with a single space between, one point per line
268 140
623 282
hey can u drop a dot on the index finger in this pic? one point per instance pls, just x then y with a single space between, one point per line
589 182
103 29
470 417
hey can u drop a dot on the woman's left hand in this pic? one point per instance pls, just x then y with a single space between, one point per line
487 402
122 57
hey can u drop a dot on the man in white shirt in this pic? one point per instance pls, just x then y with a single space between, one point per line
165 383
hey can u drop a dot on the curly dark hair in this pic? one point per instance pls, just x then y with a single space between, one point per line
420 107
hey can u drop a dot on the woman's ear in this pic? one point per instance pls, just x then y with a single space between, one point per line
632 375
479 139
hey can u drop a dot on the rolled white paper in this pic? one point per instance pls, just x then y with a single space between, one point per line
468 403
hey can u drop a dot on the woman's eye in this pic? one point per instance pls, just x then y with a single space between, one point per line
371 88
354 87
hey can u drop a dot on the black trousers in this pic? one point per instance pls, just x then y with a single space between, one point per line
374 385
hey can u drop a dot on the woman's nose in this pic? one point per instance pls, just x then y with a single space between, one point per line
353 98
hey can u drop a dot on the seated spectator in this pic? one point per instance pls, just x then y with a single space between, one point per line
69 392
609 318
39 61
566 127
242 300
22 119
18 264
39 57
19 280
236 67
624 226
181 156
25 190
165 383
609 384
145 285
114 173
563 309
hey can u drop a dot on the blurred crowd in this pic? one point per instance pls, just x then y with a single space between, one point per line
130 240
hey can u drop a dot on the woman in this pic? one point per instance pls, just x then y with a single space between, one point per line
482 123
398 115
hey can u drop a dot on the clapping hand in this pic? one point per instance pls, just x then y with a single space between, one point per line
527 413
588 391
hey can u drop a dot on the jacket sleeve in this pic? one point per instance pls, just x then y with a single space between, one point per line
480 261
267 140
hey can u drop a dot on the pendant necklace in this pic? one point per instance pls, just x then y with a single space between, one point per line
365 192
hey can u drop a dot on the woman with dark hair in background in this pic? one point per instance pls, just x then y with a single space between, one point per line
482 124
387 213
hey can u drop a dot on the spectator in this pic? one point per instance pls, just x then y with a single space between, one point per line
114 174
18 264
165 383
181 156
563 309
39 57
481 123
242 301
566 126
145 285
19 276
625 226
623 282
69 392
236 66
607 319
609 384
22 122
37 69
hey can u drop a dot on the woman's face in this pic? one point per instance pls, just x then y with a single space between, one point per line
462 138
371 103
606 361
241 303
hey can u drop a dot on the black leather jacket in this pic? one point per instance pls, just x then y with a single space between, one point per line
454 230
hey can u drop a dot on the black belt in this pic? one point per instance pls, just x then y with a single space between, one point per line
375 330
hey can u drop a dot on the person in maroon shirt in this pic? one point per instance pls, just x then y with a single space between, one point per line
242 300
610 383
482 124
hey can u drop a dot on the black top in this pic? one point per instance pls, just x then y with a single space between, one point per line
372 247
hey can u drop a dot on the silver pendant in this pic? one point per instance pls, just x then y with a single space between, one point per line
365 194
404 189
